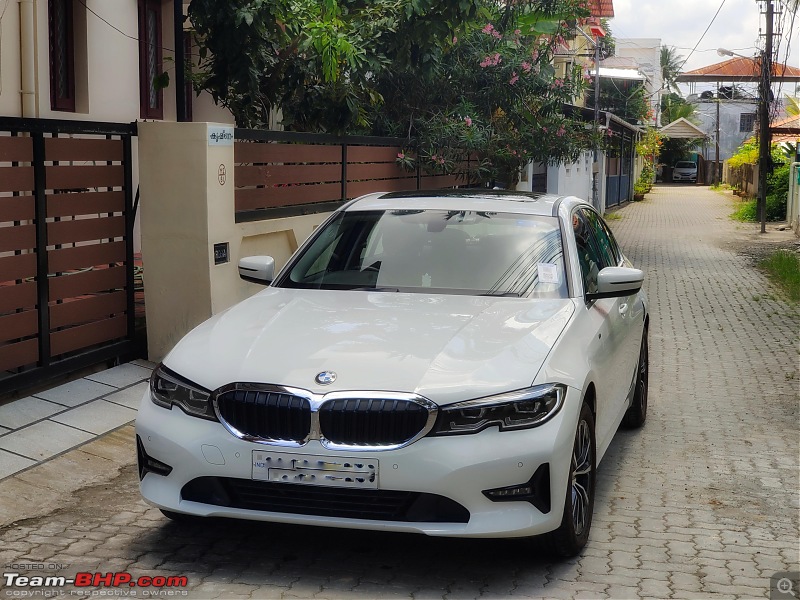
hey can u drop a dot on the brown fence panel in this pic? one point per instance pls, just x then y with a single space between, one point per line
66 253
19 354
92 334
16 208
16 149
82 230
85 203
292 195
83 149
87 309
87 282
272 152
270 175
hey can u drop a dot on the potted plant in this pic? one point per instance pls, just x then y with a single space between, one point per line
639 190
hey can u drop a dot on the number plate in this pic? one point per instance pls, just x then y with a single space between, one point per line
286 467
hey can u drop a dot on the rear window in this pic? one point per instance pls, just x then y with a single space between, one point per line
685 164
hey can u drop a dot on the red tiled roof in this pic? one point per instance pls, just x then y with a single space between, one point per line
601 8
740 69
786 130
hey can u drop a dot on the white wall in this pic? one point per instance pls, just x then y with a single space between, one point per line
572 179
10 103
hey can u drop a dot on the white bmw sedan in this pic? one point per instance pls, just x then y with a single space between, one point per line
453 363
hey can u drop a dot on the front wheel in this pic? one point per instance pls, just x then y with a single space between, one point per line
636 415
570 538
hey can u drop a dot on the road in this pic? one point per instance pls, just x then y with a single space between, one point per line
701 503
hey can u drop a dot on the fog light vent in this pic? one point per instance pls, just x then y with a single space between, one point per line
536 490
148 464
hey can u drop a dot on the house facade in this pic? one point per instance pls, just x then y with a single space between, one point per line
94 60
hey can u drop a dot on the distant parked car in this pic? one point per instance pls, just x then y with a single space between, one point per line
453 363
685 170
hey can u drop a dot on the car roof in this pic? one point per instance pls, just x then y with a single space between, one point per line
477 199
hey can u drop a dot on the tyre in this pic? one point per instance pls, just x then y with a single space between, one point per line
636 415
570 538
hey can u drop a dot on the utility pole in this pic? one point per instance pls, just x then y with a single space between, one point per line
715 178
764 137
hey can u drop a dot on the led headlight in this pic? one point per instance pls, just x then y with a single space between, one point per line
520 409
168 388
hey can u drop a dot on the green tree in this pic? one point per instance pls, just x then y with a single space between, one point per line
472 79
671 64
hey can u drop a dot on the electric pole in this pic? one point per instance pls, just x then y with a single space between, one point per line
764 137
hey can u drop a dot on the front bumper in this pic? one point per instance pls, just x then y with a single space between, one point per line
458 468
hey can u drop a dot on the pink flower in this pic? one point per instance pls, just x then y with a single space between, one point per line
517 32
544 129
488 29
497 35
491 61
514 78
526 66
561 131
400 155
455 39
468 121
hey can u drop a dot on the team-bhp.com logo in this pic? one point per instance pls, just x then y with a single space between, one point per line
152 585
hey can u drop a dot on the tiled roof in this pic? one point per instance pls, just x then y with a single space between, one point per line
740 69
601 8
786 130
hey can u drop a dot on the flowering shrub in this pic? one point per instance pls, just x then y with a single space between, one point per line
497 103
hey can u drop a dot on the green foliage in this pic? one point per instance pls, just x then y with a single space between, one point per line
747 212
626 99
783 267
471 79
673 107
640 187
671 63
746 154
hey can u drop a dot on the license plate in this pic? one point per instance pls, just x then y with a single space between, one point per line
307 469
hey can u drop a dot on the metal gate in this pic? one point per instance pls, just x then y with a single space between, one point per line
66 247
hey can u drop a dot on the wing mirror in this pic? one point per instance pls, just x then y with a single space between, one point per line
257 269
614 282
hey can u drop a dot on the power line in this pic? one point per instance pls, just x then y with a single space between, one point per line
714 18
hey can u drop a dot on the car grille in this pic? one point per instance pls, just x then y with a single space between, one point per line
367 421
265 415
348 503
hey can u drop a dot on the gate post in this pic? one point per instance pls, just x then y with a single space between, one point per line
187 191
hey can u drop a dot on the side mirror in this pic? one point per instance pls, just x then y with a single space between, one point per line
614 282
257 269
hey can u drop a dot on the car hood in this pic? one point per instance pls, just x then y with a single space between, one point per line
444 347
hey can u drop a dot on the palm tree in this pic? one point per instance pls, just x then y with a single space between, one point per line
671 63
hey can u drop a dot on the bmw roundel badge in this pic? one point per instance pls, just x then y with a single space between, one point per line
325 378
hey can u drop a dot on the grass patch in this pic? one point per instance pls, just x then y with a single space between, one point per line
612 216
747 212
783 267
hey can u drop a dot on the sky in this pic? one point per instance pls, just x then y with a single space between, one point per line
681 23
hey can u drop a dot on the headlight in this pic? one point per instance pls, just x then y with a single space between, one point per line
521 409
168 388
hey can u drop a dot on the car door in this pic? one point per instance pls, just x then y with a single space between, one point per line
610 316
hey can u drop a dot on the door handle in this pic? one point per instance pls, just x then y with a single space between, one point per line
623 309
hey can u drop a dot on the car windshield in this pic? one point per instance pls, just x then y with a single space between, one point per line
434 251
685 165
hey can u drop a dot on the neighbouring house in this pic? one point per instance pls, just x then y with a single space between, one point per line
645 56
95 61
728 106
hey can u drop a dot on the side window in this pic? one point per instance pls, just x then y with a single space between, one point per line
589 254
62 55
614 245
604 243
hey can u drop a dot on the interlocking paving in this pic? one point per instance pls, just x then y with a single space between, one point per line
701 503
